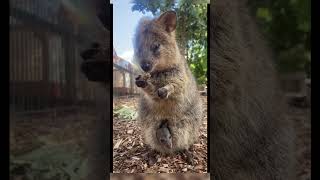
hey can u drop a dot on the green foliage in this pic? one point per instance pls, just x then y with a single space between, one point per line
264 13
192 36
125 112
286 23
153 6
191 32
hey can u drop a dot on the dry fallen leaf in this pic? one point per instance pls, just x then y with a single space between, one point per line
117 144
197 167
162 169
130 131
136 158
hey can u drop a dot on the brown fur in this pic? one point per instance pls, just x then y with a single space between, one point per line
170 73
250 137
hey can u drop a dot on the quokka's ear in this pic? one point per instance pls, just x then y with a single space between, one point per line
168 20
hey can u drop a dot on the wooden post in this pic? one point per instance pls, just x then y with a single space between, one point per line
131 84
45 68
70 68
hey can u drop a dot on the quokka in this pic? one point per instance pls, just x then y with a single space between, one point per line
169 90
250 139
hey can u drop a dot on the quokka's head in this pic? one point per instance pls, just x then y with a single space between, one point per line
155 46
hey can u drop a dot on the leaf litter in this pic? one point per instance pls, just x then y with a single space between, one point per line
130 152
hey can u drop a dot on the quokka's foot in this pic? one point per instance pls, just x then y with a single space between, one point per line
162 93
188 157
152 158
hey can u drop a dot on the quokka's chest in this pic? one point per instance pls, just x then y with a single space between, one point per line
159 81
163 108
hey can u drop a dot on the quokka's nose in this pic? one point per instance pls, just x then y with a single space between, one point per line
146 66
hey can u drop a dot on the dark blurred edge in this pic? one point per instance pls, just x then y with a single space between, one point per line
100 160
208 88
160 176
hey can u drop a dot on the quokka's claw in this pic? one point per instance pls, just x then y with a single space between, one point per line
138 77
141 83
146 76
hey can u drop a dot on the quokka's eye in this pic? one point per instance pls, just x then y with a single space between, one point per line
155 47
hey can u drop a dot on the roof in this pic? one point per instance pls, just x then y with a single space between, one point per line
120 61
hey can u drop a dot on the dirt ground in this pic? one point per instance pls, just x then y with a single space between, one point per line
161 176
129 152
129 156
70 127
49 145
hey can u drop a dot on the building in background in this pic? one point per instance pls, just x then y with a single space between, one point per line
123 76
46 38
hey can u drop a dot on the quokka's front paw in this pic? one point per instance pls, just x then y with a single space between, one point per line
162 93
141 82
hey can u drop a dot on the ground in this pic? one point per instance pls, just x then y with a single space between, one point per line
50 145
161 176
302 125
30 133
129 151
